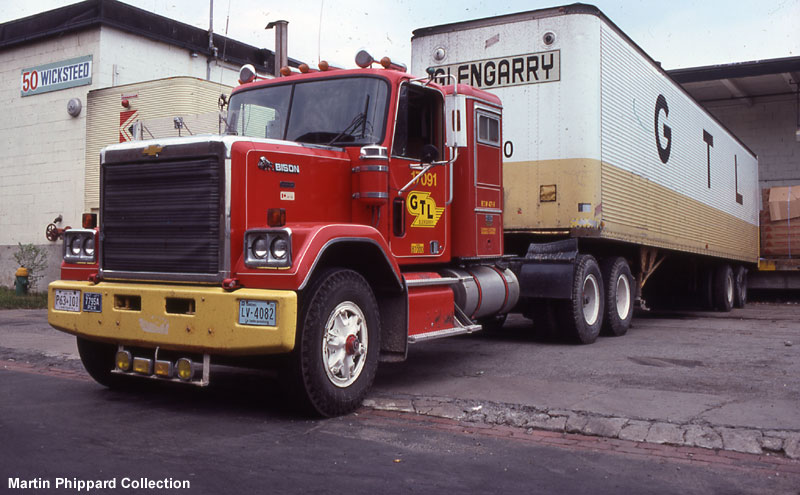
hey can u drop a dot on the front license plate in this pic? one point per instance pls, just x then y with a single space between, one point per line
92 302
68 300
260 313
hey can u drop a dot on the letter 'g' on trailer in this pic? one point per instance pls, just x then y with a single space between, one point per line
598 140
611 171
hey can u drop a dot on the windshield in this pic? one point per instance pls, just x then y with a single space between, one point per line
339 112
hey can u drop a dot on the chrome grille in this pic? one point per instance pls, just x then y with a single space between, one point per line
163 216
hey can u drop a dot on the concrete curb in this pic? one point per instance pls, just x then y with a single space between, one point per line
715 437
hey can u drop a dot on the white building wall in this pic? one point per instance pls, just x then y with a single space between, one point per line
42 166
137 59
768 128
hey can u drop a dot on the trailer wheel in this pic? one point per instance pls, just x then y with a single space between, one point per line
336 355
723 288
618 283
98 358
740 287
582 316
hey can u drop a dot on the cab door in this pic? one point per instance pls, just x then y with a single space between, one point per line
420 215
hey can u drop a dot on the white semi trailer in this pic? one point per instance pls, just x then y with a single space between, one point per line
607 162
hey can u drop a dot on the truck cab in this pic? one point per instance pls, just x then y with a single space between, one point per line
344 215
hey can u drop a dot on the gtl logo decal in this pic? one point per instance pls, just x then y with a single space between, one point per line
423 207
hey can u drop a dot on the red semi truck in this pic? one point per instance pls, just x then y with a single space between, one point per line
349 213
346 214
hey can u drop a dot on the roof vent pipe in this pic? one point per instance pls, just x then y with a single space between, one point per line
281 39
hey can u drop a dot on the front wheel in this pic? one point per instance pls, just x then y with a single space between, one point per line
98 358
338 342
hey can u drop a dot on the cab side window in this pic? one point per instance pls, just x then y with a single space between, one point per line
419 122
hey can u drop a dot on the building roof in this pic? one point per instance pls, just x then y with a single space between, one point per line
741 81
111 13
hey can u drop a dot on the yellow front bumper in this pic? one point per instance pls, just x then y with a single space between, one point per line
194 319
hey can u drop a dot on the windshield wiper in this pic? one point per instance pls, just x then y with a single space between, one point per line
358 120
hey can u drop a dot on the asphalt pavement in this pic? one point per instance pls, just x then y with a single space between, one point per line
60 432
722 381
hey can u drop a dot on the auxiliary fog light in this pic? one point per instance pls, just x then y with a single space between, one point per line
124 360
185 369
164 369
143 366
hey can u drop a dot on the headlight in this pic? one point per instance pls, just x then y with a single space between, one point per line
260 247
88 246
268 248
76 246
79 246
280 248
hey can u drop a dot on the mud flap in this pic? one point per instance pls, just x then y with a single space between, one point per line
547 270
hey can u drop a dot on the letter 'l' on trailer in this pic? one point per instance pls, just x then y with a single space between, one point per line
608 155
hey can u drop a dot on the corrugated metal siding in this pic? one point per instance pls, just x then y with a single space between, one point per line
156 103
602 110
670 220
630 89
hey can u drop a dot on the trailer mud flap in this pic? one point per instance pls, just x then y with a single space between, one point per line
547 270
546 280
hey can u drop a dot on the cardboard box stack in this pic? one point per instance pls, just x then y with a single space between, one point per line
780 222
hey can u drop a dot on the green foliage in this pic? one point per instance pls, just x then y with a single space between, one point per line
34 259
9 300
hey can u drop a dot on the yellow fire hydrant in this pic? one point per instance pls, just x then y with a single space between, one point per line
21 283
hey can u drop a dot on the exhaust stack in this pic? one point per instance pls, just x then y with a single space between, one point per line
281 50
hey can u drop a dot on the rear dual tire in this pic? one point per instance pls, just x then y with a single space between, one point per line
618 282
724 288
739 286
581 317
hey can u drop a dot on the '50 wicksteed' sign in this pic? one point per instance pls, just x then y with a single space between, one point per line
56 75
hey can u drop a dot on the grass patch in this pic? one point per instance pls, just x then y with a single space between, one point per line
9 300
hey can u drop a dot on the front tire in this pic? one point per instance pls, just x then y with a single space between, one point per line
582 315
338 342
98 358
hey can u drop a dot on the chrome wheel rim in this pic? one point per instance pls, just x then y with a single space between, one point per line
623 297
591 300
344 344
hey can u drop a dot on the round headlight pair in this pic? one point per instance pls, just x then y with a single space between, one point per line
278 248
82 245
